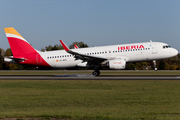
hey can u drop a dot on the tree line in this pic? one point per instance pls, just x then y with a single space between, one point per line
166 64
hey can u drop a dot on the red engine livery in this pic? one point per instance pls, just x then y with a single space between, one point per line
130 47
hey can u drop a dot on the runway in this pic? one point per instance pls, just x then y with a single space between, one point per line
85 77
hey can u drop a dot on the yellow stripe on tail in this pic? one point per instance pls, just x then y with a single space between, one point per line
11 30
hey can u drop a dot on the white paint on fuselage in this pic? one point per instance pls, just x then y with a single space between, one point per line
151 51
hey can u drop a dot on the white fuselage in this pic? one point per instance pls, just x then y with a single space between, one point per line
129 52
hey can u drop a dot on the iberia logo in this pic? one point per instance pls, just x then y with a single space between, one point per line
130 47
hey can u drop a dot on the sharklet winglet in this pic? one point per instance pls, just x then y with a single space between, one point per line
64 45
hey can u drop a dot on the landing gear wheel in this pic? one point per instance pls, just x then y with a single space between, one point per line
96 73
155 69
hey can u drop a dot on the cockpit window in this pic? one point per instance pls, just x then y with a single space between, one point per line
166 46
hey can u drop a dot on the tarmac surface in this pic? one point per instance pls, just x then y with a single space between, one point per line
85 77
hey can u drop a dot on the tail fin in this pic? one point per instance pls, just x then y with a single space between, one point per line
19 46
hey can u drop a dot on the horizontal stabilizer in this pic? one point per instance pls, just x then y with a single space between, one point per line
11 59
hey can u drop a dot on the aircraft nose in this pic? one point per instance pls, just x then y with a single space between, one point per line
175 52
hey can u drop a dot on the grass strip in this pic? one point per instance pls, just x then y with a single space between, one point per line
90 99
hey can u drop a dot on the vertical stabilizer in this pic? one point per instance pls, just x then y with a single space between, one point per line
19 46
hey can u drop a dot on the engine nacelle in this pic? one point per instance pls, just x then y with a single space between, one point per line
117 64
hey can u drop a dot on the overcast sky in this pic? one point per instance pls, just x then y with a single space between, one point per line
94 22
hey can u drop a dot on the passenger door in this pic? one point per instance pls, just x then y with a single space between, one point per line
154 48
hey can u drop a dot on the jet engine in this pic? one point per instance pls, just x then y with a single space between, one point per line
117 64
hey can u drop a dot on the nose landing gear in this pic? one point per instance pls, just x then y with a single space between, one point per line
154 62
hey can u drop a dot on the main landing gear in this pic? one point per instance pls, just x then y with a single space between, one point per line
96 73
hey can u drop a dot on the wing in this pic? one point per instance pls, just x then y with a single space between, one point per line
92 60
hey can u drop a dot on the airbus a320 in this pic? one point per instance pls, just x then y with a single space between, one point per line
113 56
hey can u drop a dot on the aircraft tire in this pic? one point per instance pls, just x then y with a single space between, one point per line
96 73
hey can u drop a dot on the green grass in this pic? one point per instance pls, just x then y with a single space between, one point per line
89 72
90 99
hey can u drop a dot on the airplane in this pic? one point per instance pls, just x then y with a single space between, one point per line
112 56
